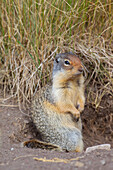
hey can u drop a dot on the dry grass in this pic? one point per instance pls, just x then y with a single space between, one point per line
32 32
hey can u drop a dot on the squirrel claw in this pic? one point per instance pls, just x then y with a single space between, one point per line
77 119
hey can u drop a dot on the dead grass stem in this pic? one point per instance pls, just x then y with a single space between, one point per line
32 32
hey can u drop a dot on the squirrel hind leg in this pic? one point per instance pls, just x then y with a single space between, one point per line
80 147
35 143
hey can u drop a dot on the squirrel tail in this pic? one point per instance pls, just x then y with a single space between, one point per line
35 143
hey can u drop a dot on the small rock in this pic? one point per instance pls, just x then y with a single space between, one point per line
103 146
26 121
103 162
79 164
12 149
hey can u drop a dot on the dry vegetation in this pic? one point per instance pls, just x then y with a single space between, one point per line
33 31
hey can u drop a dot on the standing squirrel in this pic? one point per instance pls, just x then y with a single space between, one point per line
56 108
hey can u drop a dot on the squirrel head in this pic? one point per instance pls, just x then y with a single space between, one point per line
67 65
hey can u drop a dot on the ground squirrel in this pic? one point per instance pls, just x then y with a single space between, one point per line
56 108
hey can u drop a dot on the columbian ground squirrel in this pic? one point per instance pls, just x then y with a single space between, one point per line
56 108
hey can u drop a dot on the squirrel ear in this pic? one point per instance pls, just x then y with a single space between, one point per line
57 59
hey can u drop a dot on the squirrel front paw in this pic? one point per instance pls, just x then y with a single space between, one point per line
77 114
80 105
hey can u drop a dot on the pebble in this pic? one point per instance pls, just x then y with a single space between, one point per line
12 149
103 146
103 162
26 121
79 164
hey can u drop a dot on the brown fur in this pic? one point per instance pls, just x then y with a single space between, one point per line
68 89
55 108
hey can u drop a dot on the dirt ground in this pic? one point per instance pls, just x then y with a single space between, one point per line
15 128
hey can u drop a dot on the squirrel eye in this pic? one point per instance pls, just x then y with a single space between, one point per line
66 62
